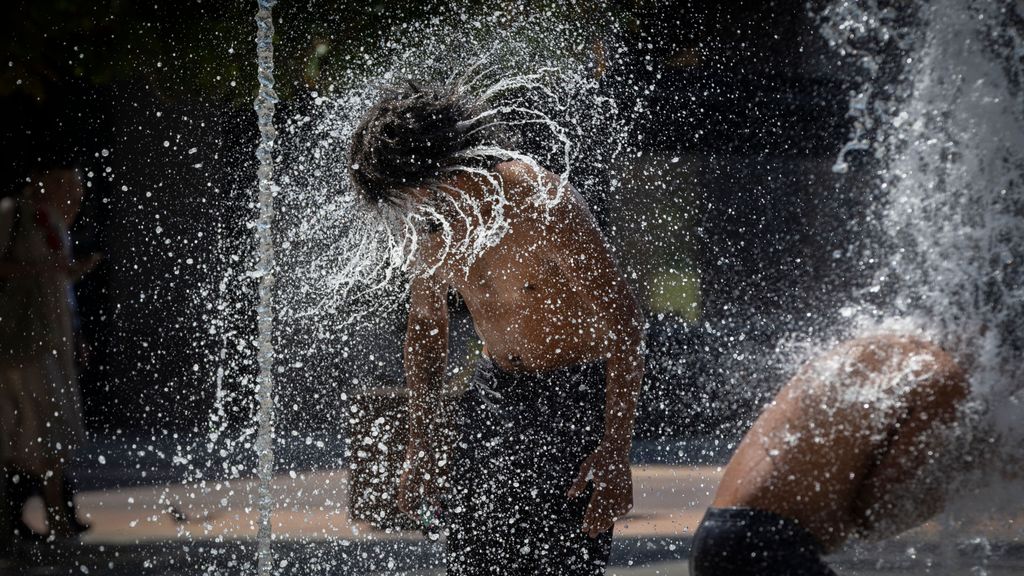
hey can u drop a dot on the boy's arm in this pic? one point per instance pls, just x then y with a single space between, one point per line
426 359
587 261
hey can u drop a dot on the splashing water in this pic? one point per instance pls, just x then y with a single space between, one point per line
264 105
336 278
940 112
349 264
377 245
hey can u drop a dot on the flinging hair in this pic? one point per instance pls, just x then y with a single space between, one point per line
408 138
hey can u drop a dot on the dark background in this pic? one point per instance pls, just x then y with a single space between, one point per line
153 100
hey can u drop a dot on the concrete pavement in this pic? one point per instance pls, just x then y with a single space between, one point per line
209 526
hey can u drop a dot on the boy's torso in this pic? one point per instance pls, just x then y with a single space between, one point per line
529 313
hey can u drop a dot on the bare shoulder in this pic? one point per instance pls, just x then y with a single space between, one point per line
517 173
876 362
876 348
934 369
531 185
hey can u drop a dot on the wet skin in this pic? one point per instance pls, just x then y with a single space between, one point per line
547 296
838 466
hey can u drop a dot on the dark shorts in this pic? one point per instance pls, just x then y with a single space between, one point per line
751 542
523 438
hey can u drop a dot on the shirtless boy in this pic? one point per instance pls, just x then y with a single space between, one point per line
541 468
863 440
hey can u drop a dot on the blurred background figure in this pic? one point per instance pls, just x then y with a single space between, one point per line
40 406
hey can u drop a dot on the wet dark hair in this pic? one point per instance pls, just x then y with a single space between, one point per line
408 138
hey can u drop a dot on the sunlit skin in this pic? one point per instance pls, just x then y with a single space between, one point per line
832 466
547 296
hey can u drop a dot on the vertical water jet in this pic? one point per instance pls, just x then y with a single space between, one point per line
264 106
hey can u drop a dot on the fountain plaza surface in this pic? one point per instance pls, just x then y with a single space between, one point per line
174 528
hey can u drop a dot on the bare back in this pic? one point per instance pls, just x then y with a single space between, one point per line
846 434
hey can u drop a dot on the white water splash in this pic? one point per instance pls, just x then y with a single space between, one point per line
941 112
346 265
377 246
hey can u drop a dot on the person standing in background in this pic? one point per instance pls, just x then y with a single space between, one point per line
40 406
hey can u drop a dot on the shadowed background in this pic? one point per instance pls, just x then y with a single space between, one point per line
153 100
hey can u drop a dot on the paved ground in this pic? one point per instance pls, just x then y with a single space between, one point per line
669 502
208 528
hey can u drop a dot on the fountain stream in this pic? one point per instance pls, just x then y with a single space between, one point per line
264 105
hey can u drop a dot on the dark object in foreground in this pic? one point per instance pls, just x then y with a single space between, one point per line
527 435
751 542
